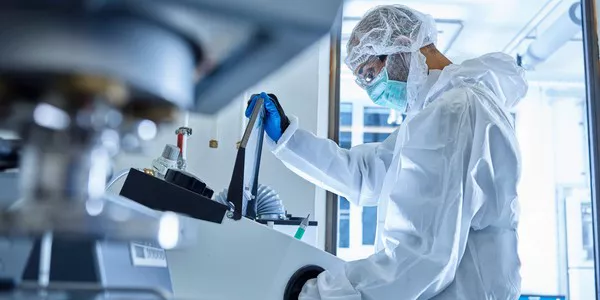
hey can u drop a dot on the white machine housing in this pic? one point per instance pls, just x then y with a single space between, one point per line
240 260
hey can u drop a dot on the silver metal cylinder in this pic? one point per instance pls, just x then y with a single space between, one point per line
68 133
58 166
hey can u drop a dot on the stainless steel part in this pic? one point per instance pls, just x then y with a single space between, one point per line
196 54
148 57
9 182
111 217
170 152
183 133
253 119
168 160
268 204
68 130
73 73
74 290
63 165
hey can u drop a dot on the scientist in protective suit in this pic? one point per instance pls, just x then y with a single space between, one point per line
445 182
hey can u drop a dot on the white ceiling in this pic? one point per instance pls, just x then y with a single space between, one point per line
494 25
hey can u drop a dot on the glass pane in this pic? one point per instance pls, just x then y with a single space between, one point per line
555 227
369 225
344 223
373 137
345 114
378 116
345 140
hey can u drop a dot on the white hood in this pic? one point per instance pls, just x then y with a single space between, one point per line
496 71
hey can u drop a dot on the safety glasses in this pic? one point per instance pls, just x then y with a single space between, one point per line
369 71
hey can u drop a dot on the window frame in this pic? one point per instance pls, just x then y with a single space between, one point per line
590 8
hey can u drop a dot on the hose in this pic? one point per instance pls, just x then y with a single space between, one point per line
116 177
268 204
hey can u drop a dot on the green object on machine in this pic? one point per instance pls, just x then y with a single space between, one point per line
302 228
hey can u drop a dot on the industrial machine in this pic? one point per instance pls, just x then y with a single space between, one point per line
225 240
81 80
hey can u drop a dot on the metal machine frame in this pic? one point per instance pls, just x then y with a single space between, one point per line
592 72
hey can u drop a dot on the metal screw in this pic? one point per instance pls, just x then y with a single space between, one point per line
213 144
149 172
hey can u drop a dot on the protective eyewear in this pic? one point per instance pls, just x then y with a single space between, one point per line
367 72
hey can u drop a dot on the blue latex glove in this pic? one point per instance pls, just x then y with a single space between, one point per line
275 122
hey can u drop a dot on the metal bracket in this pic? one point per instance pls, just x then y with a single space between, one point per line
235 193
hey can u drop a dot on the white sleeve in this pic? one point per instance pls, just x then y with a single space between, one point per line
356 174
446 166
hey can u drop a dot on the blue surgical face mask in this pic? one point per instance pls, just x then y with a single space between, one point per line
388 93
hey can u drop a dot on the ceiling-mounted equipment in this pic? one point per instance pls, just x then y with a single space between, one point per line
81 79
556 36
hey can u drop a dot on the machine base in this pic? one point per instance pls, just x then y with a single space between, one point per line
240 260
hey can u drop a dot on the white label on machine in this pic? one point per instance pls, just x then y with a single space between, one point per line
148 256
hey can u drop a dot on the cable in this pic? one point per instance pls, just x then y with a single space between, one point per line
116 177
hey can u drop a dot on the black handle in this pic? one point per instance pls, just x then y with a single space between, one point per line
235 193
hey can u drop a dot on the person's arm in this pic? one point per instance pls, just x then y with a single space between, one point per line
448 170
356 174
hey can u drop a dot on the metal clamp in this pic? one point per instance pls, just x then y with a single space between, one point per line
235 192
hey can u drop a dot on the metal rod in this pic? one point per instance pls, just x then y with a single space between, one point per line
45 259
331 208
258 106
592 76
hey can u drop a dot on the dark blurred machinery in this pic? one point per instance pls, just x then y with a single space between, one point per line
82 79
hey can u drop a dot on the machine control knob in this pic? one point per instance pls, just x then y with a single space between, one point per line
185 180
170 152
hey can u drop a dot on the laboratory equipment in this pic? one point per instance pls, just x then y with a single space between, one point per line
169 159
183 133
268 204
266 261
81 69
290 225
84 79
268 264
243 187
248 162
180 192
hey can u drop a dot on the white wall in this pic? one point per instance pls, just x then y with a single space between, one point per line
302 88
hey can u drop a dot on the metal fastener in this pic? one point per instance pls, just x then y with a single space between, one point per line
213 144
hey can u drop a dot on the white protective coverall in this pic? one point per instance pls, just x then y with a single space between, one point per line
446 186
445 181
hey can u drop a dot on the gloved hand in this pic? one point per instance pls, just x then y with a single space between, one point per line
275 122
